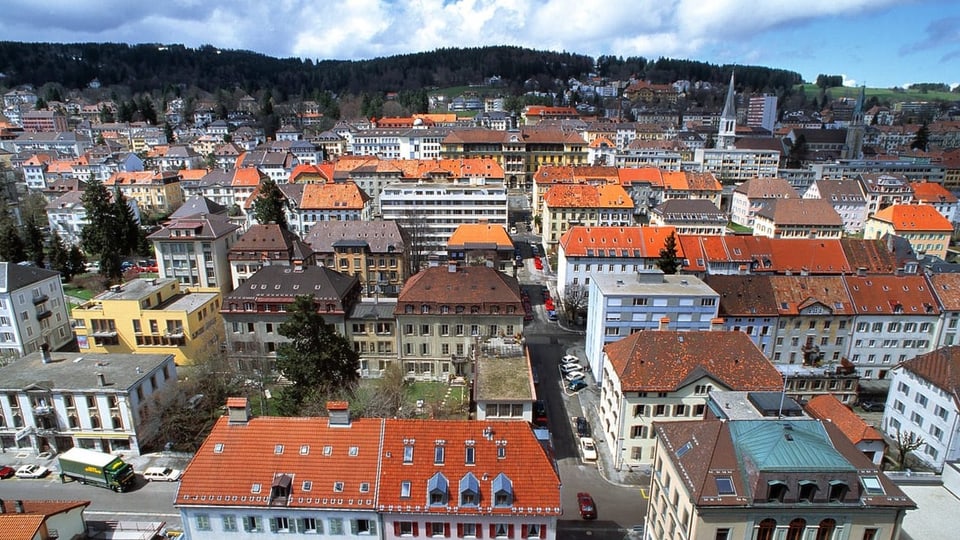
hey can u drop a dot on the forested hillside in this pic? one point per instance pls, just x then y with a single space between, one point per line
143 68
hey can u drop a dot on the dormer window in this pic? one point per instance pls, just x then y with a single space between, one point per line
808 489
469 490
438 455
437 489
405 489
502 491
838 490
408 453
471 456
872 485
776 491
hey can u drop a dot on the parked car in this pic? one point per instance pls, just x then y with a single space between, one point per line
513 230
551 315
588 510
548 304
540 413
577 385
588 449
872 406
32 471
573 375
567 368
583 427
162 474
7 472
570 359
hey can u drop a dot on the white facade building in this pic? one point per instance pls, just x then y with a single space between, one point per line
33 313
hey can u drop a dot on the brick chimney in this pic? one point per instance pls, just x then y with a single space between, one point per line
238 410
339 412
664 324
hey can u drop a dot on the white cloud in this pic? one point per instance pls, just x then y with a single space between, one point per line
847 81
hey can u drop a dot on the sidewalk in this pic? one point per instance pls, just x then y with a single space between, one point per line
589 399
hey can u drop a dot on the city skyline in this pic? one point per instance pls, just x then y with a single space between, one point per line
879 43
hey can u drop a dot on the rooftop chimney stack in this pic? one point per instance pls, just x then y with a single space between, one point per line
101 380
45 352
339 412
238 410
664 324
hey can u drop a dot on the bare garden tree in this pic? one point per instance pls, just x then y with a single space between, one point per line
906 442
575 297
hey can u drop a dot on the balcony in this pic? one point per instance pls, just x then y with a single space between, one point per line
40 299
44 314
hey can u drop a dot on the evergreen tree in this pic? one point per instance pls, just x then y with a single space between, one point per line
59 256
317 359
127 228
669 262
11 245
168 132
33 243
76 261
921 139
269 205
102 236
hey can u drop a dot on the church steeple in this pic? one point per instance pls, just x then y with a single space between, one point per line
858 111
728 119
853 145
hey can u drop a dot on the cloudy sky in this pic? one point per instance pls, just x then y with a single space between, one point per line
878 42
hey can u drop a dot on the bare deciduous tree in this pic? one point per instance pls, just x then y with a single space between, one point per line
906 443
575 297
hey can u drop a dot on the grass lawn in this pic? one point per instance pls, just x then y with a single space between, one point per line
79 292
883 94
739 229
427 391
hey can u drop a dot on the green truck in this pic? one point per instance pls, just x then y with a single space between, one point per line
96 468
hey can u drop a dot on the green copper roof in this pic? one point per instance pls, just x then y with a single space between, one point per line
786 445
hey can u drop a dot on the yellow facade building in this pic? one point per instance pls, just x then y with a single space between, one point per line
152 316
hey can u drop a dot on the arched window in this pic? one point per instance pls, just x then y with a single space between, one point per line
17 421
95 422
73 421
826 528
766 529
117 422
796 528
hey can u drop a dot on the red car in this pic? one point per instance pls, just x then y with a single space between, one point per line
7 472
588 510
548 303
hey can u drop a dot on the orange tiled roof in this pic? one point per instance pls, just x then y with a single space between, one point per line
795 293
914 217
311 173
946 287
248 176
941 367
588 196
665 361
345 196
691 181
469 285
480 233
905 295
642 175
130 178
643 242
932 192
193 174
20 526
38 159
828 407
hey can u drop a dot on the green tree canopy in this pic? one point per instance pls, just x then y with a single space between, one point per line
669 262
316 359
921 139
11 245
269 205
110 233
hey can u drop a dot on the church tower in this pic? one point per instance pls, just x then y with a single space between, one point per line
853 146
728 120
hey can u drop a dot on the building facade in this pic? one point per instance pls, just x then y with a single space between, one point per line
33 312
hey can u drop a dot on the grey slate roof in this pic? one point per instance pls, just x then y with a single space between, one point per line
14 276
196 205
285 282
78 371
380 236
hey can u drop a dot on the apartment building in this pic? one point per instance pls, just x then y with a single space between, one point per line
377 252
33 312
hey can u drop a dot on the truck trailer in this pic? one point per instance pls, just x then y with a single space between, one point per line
96 468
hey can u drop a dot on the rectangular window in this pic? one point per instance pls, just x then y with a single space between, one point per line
921 400
203 522
336 525
870 533
229 522
252 524
723 534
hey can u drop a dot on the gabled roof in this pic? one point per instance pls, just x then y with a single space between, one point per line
913 217
284 283
870 255
468 285
767 188
588 196
209 227
946 287
812 212
616 241
247 176
891 295
665 361
381 237
691 181
744 296
269 237
477 235
795 293
828 408
345 196
196 205
841 191
932 192
15 276
941 368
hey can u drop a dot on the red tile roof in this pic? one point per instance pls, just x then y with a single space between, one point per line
914 217
621 241
796 293
828 407
345 196
941 367
904 295
932 192
665 361
469 285
946 287
588 196
480 233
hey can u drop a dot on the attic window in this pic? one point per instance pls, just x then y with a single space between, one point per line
327 450
405 489
255 488
338 487
304 449
278 449
354 450
872 485
364 487
408 453
218 448
307 485
684 449
725 485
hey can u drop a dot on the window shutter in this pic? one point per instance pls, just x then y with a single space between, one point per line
416 529
446 529
493 531
479 528
273 524
373 526
459 530
543 531
300 526
396 528
523 531
293 524
353 527
510 531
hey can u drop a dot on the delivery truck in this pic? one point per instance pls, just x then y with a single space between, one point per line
96 468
